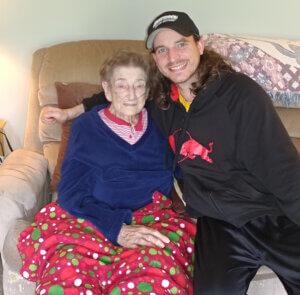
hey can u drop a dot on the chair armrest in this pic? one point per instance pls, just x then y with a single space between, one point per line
13 282
10 252
23 188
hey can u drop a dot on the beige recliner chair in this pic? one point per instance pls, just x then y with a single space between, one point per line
25 173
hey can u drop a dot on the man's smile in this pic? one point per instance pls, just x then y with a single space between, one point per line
178 67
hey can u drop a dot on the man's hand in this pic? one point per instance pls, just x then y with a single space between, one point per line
133 236
52 115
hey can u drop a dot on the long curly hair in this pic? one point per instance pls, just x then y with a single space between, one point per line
211 66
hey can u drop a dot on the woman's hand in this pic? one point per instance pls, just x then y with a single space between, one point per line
132 236
52 115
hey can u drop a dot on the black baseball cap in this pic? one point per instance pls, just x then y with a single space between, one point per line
174 20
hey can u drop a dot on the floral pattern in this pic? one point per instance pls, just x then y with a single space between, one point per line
275 65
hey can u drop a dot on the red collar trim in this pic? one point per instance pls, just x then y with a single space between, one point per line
174 94
110 116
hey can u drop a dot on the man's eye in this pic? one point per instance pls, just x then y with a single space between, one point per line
161 50
181 44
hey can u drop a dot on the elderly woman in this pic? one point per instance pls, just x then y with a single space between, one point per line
112 230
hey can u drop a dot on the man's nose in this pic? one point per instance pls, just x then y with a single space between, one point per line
172 55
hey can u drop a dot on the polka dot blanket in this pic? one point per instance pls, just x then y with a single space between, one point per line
65 255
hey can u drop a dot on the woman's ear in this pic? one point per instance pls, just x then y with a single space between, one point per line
107 90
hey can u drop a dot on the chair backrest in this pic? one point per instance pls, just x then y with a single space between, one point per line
80 61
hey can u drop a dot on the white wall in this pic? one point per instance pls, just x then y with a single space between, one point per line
26 25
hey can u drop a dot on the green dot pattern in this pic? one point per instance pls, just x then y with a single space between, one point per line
65 254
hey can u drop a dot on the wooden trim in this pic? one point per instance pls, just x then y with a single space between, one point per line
2 124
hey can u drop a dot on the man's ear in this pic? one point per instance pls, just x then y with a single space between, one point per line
200 45
154 56
107 90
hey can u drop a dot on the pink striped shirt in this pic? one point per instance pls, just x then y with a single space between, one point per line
125 130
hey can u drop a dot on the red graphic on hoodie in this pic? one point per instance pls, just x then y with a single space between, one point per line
191 148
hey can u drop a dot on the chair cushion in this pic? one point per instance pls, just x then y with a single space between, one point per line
51 150
69 95
266 282
290 118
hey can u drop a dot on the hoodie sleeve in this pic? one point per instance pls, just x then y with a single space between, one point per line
95 100
265 149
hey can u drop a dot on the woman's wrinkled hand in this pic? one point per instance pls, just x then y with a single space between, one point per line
52 115
133 236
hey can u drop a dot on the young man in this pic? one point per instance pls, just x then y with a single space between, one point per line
241 172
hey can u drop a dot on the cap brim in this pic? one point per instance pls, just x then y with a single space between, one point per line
151 37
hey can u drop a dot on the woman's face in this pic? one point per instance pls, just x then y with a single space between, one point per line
127 91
